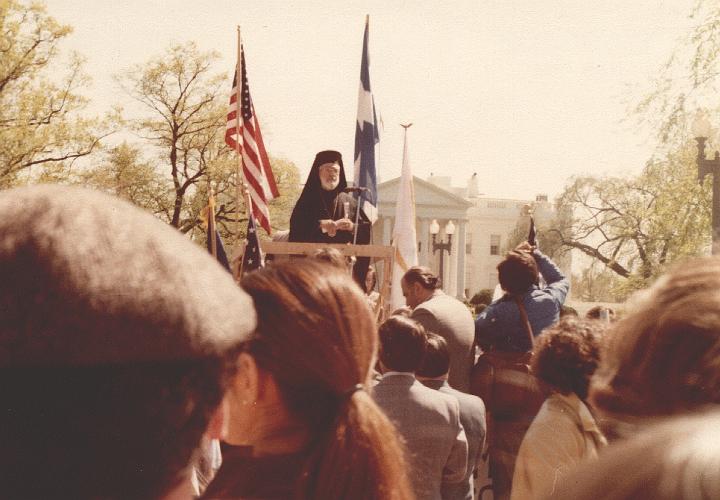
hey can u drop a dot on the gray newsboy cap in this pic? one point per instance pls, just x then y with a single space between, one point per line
88 279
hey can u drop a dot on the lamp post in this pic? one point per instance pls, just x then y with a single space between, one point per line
442 246
701 130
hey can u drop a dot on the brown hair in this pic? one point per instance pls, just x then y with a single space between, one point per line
332 256
422 275
437 356
567 354
517 272
402 344
664 357
317 337
597 311
134 426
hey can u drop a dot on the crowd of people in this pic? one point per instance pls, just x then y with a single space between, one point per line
136 367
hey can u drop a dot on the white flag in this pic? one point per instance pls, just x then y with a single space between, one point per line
404 236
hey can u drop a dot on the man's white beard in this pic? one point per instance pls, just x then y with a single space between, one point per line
330 186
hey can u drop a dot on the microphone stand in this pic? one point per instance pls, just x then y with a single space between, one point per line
355 229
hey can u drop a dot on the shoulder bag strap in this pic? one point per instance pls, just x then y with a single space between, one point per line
525 320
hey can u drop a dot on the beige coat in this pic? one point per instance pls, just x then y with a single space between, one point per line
563 434
451 319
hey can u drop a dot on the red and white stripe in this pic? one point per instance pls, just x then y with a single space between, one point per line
257 171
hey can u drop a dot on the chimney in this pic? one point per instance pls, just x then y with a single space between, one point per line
473 191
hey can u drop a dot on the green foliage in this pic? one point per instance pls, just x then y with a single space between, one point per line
687 80
637 226
40 109
124 173
598 284
223 177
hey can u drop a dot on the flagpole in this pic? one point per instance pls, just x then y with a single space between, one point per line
211 220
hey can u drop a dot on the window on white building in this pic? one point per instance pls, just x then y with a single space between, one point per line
494 244
468 244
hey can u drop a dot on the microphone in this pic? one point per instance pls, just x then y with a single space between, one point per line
355 190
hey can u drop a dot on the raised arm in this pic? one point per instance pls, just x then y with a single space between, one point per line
557 284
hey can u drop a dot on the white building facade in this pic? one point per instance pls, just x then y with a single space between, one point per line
482 228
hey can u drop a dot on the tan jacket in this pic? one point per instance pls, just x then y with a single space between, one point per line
451 319
563 434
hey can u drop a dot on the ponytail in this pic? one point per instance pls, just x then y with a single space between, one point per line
358 457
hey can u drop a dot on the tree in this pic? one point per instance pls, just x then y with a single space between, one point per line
688 79
596 283
223 179
184 118
40 110
126 175
547 239
637 226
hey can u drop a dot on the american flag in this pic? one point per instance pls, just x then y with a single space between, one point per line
257 171
252 257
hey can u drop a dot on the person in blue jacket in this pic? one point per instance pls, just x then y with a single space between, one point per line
502 325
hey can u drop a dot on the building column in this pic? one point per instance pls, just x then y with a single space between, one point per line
461 261
452 267
424 239
387 230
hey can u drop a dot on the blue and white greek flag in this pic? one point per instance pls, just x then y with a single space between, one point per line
367 136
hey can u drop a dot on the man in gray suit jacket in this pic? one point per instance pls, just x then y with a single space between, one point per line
433 373
444 315
428 421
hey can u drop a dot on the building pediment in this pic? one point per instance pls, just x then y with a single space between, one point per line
426 195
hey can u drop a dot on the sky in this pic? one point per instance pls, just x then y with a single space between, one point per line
526 93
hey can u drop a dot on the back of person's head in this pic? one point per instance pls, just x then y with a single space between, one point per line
317 337
568 312
402 344
567 354
332 256
601 312
436 362
422 275
402 311
677 459
664 356
517 272
117 339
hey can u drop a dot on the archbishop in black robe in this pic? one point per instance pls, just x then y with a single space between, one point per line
317 204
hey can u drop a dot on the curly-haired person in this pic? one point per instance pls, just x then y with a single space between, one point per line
564 432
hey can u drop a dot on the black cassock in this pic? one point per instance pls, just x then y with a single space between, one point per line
316 204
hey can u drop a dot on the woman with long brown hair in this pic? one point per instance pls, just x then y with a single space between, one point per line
302 423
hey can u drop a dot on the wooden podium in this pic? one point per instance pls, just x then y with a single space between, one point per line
377 253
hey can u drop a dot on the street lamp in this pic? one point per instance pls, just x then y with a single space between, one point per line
442 246
701 130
